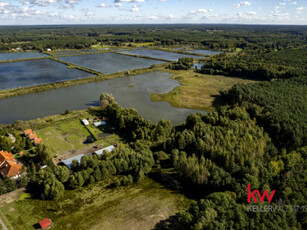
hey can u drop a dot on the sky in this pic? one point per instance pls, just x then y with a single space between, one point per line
34 12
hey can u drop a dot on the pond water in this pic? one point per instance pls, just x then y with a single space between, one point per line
35 72
159 54
129 92
109 62
21 55
204 52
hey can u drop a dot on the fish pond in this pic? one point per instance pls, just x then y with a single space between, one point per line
21 55
36 72
129 92
109 62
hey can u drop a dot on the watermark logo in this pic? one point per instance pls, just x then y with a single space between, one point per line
261 197
279 206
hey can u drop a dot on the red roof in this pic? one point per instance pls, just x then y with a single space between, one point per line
32 136
38 141
28 132
45 223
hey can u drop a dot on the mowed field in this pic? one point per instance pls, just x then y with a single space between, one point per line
197 91
138 206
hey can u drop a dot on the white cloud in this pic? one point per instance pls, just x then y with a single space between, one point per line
64 3
200 11
251 13
242 4
154 17
103 5
292 3
118 4
282 4
299 8
129 1
134 8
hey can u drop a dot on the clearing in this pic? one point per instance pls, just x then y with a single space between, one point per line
138 206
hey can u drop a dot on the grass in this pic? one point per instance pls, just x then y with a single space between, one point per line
25 196
197 91
99 46
139 206
64 136
141 44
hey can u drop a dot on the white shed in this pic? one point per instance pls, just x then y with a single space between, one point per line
85 122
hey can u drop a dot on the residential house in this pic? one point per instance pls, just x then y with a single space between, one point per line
32 136
9 166
27 132
37 141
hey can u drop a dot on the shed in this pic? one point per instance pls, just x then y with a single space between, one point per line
101 151
68 161
85 122
45 223
99 123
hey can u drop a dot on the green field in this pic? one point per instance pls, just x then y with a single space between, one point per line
71 135
139 206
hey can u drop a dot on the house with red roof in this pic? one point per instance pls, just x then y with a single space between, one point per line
9 166
27 132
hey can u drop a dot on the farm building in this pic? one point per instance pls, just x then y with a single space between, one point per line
85 122
68 161
45 223
99 123
9 166
101 151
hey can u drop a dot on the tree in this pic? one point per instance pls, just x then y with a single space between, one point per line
62 173
105 100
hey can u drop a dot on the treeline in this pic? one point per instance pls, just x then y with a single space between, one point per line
216 37
51 182
259 64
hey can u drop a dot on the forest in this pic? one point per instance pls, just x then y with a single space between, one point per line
256 136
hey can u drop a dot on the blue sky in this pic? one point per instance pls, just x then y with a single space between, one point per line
23 12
